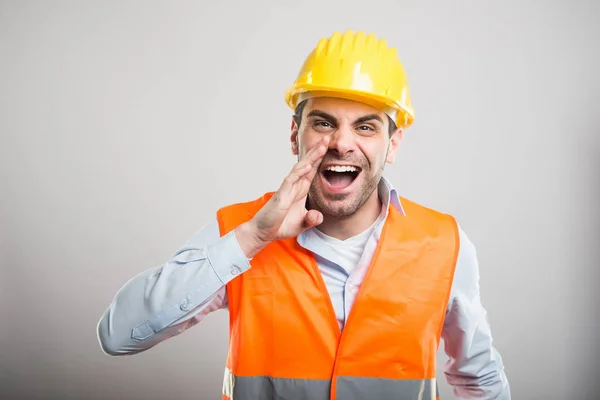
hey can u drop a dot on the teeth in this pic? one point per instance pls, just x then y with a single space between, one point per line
340 168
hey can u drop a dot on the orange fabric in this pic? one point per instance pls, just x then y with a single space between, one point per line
282 322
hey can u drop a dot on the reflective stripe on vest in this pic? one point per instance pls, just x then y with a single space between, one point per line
349 388
285 341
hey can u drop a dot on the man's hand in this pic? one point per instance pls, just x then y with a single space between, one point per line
285 214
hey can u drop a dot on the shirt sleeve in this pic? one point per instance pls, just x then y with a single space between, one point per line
162 302
474 368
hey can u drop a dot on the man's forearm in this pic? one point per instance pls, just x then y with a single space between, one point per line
475 369
162 302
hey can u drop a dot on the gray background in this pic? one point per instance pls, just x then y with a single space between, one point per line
125 125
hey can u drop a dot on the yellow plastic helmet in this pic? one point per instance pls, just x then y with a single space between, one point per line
357 67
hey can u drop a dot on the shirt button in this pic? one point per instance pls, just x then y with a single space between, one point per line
184 306
235 270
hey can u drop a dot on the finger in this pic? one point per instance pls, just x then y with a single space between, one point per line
297 172
312 218
313 170
315 167
316 153
304 169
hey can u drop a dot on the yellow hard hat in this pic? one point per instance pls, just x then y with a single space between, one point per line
357 67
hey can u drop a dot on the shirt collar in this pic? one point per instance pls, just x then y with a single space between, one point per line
388 194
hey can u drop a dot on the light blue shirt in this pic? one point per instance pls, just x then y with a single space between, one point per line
162 302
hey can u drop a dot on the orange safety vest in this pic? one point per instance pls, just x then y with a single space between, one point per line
285 342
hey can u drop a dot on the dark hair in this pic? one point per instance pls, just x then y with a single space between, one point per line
300 109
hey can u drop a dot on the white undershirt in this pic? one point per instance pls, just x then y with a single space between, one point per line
349 251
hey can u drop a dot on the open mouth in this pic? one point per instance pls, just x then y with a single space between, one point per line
339 177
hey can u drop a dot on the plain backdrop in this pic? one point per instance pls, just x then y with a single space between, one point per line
126 124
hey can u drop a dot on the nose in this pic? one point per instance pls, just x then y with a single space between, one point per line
342 140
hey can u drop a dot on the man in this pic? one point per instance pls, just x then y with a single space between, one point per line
336 286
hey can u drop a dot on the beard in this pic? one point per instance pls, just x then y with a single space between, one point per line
345 205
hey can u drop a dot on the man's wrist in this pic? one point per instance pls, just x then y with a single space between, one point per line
249 240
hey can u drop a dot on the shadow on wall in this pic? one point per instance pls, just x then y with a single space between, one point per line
583 263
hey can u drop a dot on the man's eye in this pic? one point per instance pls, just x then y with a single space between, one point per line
365 128
322 125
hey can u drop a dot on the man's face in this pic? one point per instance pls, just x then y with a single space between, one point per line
359 147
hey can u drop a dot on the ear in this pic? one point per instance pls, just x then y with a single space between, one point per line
294 137
395 140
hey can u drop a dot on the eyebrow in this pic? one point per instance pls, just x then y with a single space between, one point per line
331 118
322 114
368 118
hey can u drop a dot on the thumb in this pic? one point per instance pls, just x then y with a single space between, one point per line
312 218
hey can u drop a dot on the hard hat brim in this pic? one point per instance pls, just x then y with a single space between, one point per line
405 115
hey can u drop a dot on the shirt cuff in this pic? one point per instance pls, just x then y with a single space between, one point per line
227 258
